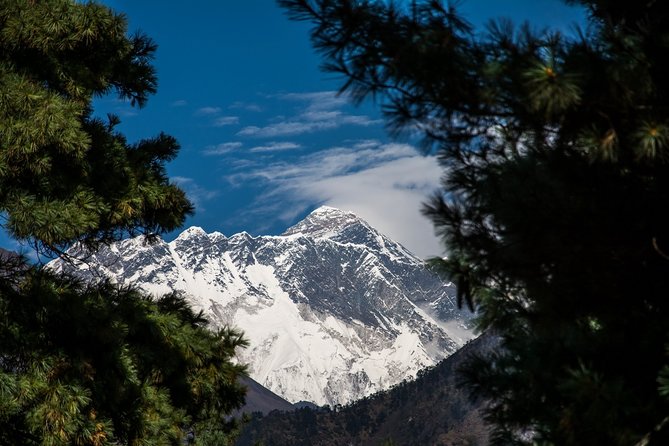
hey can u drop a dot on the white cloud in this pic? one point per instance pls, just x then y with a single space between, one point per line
195 193
321 115
384 184
208 110
222 149
320 111
218 121
226 120
289 128
275 147
248 106
308 122
366 144
318 100
126 113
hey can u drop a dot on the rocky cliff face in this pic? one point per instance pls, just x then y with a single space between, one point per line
333 310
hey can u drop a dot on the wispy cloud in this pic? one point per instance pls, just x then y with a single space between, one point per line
248 106
126 112
226 120
290 128
179 103
318 100
366 144
208 111
197 194
214 114
275 147
307 124
241 165
385 184
319 112
230 147
222 149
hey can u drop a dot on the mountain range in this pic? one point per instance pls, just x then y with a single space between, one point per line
333 309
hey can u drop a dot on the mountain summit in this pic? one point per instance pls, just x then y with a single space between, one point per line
333 309
327 222
346 227
324 221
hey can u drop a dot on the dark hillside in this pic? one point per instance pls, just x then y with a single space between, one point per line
431 410
260 399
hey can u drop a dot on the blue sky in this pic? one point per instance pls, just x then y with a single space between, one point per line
264 138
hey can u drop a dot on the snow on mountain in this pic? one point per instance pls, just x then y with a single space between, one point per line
333 310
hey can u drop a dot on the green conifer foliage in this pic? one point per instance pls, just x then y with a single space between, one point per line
100 364
65 175
553 209
93 364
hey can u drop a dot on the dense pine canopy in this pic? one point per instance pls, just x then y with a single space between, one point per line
66 175
553 209
93 364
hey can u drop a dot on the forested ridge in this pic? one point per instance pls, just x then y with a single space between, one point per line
433 409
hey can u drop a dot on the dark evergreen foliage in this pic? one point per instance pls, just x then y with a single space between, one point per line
554 202
64 174
101 364
93 364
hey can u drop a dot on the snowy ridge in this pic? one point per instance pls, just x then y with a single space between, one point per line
346 228
333 310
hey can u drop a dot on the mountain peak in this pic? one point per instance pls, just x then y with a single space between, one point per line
192 232
326 222
328 210
332 214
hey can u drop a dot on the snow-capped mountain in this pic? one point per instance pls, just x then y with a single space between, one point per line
333 310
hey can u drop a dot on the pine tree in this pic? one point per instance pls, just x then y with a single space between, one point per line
93 364
553 206
64 174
